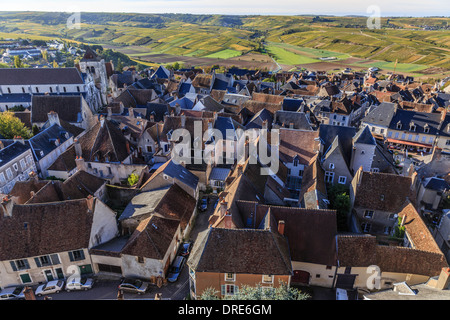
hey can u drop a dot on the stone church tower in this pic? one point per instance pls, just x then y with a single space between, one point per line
94 67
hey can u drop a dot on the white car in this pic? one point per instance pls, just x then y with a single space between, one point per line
12 293
54 286
79 283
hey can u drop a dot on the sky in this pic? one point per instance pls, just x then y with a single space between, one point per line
416 8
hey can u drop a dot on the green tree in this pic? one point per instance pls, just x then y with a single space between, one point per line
258 292
339 198
35 130
18 62
119 65
176 66
11 126
132 179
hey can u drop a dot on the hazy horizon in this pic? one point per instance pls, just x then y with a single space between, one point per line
387 8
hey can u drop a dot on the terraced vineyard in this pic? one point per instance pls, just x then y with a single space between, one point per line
292 41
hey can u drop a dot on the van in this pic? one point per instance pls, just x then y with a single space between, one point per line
175 269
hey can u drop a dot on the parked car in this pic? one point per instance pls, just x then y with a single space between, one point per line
203 204
176 268
12 293
134 286
78 283
216 203
186 248
54 286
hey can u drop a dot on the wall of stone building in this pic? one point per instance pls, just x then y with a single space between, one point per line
320 275
340 168
9 277
53 88
104 225
366 278
362 156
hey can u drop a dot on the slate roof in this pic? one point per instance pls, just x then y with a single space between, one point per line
15 98
420 119
12 151
219 173
364 136
328 133
437 184
381 115
45 140
176 171
40 76
298 119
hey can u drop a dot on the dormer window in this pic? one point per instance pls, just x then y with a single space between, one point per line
412 126
426 128
399 125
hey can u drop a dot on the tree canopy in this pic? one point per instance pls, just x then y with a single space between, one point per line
11 126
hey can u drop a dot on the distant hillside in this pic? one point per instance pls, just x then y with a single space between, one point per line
415 43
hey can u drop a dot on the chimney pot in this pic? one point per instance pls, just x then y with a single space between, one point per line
281 225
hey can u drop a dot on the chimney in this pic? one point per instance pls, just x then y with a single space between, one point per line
223 208
281 225
77 146
81 165
178 108
183 120
33 176
53 118
239 169
7 205
90 203
19 139
444 279
102 120
228 221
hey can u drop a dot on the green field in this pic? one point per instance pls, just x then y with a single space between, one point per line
224 54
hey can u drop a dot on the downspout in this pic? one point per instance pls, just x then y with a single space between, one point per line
335 271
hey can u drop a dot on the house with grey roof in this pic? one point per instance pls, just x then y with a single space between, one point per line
379 118
48 144
16 163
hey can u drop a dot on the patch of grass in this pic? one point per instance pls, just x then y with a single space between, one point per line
225 54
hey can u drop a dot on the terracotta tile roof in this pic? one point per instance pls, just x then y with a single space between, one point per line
22 190
311 233
80 185
242 251
383 191
298 143
363 251
267 98
256 106
40 229
152 238
68 108
202 80
417 231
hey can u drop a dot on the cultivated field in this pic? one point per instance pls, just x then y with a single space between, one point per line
293 42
